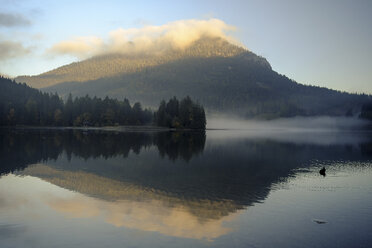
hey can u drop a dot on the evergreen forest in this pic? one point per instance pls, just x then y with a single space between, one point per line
23 105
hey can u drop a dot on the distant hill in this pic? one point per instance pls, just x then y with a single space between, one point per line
222 76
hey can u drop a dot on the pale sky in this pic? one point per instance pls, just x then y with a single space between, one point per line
318 42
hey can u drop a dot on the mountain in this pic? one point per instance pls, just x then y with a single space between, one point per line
114 64
221 76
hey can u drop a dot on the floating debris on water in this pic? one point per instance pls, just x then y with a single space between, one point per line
323 172
320 221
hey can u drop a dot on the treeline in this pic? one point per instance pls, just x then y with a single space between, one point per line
23 105
180 114
86 111
366 112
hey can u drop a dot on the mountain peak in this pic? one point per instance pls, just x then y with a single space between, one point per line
119 63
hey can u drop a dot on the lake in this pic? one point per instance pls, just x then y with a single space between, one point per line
219 188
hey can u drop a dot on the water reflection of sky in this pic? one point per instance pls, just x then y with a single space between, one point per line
32 208
41 200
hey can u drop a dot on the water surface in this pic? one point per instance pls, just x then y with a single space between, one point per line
91 188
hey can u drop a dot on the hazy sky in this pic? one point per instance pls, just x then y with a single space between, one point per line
326 43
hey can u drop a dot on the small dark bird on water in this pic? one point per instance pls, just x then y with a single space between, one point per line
322 171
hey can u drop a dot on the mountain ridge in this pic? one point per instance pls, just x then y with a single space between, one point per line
106 65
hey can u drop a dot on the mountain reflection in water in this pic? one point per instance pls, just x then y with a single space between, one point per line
174 183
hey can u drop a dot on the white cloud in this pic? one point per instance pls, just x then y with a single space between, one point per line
174 35
79 47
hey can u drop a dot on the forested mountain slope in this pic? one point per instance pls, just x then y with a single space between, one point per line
114 64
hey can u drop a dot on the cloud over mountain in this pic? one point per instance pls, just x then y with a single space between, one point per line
148 39
80 47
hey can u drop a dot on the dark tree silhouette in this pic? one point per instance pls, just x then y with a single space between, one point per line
184 114
23 105
366 112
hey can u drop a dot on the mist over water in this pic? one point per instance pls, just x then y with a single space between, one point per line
321 130
295 124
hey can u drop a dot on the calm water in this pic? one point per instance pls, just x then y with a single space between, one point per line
71 188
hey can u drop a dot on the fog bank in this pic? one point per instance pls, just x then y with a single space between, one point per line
300 130
147 39
295 124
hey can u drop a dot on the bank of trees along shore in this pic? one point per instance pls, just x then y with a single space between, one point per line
366 112
180 114
23 105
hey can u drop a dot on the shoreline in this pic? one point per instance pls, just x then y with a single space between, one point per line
150 128
145 128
